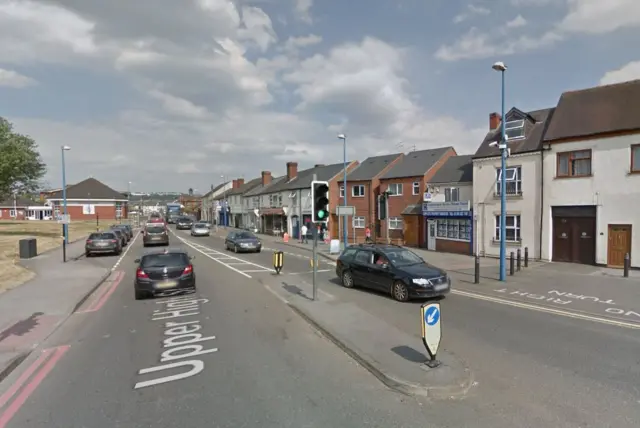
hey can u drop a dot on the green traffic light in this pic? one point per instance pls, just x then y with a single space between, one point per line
320 214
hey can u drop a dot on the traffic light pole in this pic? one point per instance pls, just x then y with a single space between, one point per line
315 255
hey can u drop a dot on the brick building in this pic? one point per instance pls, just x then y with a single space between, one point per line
21 208
90 199
405 185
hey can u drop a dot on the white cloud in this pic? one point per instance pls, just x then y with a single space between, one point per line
599 17
13 79
295 43
303 10
630 71
517 22
470 12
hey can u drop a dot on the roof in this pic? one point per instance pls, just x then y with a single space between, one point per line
19 202
305 177
260 189
457 169
215 189
414 164
536 123
594 111
89 189
371 167
249 185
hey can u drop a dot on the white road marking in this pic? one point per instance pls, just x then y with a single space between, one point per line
559 312
123 255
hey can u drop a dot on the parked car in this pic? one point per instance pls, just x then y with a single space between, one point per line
243 241
128 232
200 229
391 269
121 236
155 234
102 243
163 271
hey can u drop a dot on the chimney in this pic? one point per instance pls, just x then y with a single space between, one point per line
318 165
240 181
266 178
234 184
494 121
292 170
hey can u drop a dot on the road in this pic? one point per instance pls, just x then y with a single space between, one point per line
272 370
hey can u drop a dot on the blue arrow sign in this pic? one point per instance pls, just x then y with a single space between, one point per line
432 315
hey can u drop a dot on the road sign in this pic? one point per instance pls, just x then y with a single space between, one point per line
431 329
278 261
427 197
64 219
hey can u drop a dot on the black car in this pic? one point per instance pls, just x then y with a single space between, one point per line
243 241
391 269
128 232
163 271
102 243
155 234
184 223
129 229
121 235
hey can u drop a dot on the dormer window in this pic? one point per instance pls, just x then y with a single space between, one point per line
514 129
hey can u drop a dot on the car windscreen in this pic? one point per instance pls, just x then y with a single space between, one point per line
402 257
200 226
164 260
97 236
155 229
245 235
117 232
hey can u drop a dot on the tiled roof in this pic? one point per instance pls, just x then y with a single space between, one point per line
414 164
245 187
20 202
371 167
260 189
305 177
89 189
457 169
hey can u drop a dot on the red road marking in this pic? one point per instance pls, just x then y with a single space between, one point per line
51 361
99 302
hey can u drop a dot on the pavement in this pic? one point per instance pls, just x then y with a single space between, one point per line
236 354
33 311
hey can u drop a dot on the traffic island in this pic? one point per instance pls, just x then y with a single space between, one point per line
395 357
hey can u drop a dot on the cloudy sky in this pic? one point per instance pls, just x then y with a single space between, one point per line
172 94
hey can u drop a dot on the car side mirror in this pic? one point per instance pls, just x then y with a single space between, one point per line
136 261
385 266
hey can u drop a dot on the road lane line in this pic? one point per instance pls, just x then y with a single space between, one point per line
37 379
216 260
559 312
9 393
99 302
115 266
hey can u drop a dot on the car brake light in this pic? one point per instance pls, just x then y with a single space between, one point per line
187 270
113 241
141 274
89 241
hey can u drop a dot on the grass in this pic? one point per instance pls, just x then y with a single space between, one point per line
48 235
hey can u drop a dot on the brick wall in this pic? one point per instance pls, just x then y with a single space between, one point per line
5 214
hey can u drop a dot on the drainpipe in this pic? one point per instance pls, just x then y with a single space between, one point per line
542 211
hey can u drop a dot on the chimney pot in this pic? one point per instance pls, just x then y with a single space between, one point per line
494 121
240 181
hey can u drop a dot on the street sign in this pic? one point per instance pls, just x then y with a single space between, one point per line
64 219
341 210
431 330
427 197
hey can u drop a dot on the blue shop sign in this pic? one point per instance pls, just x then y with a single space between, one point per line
446 213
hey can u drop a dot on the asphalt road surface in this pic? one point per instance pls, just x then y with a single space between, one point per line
267 368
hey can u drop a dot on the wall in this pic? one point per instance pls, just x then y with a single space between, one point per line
486 204
611 187
465 192
5 213
334 195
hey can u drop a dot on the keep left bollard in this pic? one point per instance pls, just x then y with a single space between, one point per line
278 261
512 263
627 265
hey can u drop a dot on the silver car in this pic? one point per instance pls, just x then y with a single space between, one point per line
200 229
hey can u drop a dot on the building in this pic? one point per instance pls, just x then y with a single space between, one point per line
524 183
192 204
208 201
363 187
20 208
591 202
239 213
405 182
447 209
90 199
268 215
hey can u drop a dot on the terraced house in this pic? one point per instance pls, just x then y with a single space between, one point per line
239 211
268 216
209 207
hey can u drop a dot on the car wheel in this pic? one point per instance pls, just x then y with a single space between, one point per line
140 295
235 249
399 291
87 254
347 280
258 250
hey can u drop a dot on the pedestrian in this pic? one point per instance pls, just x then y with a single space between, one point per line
303 234
367 234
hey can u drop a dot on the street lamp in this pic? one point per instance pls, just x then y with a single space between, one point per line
502 68
343 137
224 201
65 225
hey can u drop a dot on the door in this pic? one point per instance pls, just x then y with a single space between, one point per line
360 267
377 277
574 240
619 244
295 225
431 235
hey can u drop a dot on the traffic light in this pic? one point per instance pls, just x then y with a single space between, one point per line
319 201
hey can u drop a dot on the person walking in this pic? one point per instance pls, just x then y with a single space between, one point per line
303 234
367 234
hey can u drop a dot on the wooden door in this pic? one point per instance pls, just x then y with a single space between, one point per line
411 230
583 235
561 240
619 244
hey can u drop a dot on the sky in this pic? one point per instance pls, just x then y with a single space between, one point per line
170 95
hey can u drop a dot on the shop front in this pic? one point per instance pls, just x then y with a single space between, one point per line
449 226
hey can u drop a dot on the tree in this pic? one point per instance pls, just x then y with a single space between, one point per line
21 167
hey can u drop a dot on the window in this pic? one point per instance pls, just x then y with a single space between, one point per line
118 210
357 191
451 194
395 189
514 129
513 180
635 158
454 229
574 164
256 202
512 230
358 222
342 191
395 222
364 257
416 188
12 213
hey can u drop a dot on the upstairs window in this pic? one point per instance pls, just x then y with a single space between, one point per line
514 129
574 164
513 180
416 188
451 194
635 158
395 189
342 190
357 191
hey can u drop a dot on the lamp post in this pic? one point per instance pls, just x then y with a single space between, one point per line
224 202
15 205
345 229
128 199
65 225
502 68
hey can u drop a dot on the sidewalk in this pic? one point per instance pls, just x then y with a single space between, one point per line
30 312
